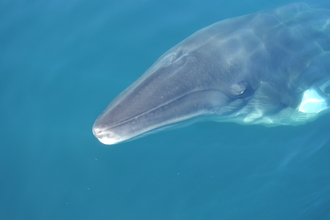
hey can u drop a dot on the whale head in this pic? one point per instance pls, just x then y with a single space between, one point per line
180 88
254 69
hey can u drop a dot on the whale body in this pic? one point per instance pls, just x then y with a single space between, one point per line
271 67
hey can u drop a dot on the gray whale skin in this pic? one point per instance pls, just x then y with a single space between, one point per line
271 67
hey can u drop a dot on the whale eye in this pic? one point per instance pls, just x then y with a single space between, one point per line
238 88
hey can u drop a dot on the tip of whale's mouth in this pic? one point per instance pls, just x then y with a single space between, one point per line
107 137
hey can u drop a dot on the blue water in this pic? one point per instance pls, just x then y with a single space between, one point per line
62 62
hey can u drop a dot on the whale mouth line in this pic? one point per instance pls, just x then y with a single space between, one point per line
162 105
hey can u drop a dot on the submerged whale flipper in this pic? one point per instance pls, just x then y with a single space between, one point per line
271 68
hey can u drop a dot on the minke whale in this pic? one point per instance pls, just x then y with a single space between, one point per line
271 68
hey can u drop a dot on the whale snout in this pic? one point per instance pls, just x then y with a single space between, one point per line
111 127
106 137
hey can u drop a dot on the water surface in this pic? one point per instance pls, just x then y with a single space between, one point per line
62 62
